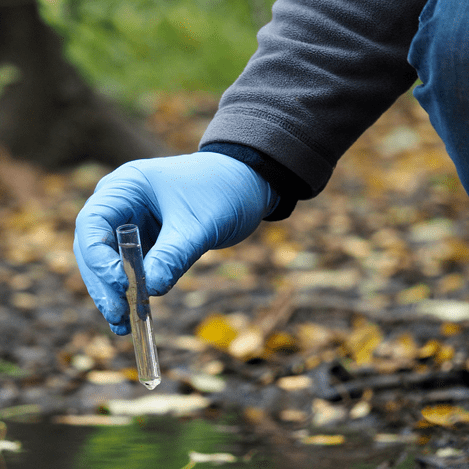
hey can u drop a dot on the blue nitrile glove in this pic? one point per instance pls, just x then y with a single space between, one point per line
191 203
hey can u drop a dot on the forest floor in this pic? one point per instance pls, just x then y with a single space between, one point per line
350 317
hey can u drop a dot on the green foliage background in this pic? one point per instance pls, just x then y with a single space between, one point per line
131 50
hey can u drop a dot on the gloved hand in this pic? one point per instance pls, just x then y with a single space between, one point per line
183 205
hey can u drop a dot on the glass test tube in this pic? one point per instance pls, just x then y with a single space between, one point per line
141 323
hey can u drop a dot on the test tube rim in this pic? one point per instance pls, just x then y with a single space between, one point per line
128 230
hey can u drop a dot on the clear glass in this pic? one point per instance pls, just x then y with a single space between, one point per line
141 322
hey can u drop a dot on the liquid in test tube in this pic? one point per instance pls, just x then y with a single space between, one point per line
141 323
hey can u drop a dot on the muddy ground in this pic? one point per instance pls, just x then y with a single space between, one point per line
351 317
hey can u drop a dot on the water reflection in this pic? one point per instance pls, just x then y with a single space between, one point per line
167 442
163 442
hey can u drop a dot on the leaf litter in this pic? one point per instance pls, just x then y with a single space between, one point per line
352 312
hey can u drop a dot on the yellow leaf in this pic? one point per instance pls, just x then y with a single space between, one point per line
429 349
324 440
450 328
363 340
414 294
280 341
423 424
254 415
274 235
131 374
445 415
216 330
445 354
285 253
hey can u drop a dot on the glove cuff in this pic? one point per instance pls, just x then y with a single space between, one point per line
287 185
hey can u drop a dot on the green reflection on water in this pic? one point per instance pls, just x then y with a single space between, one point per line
166 442
162 443
150 442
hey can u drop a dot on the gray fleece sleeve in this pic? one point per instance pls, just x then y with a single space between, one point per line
324 71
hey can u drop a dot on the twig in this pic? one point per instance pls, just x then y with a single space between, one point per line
355 388
277 314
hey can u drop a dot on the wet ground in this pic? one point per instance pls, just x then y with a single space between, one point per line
338 336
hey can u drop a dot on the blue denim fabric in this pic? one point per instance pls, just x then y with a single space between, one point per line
440 54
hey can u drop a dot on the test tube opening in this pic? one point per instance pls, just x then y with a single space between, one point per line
128 234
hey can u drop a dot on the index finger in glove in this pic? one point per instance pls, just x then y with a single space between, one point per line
120 198
112 305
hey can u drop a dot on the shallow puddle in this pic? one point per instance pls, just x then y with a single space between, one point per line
167 443
156 443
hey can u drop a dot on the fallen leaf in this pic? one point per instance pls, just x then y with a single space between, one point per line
131 374
207 383
430 349
363 340
82 362
343 279
414 294
401 348
293 415
159 404
100 348
360 409
216 330
450 283
449 329
93 420
391 438
444 354
449 452
445 415
446 310
280 341
248 343
356 247
24 300
13 446
214 458
273 235
325 413
324 440
105 377
294 383
285 253
313 336
430 231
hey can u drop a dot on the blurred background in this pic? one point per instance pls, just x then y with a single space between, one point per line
351 314
65 63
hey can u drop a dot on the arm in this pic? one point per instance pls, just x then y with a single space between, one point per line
324 71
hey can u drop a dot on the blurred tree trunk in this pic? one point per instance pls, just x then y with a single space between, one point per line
48 114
